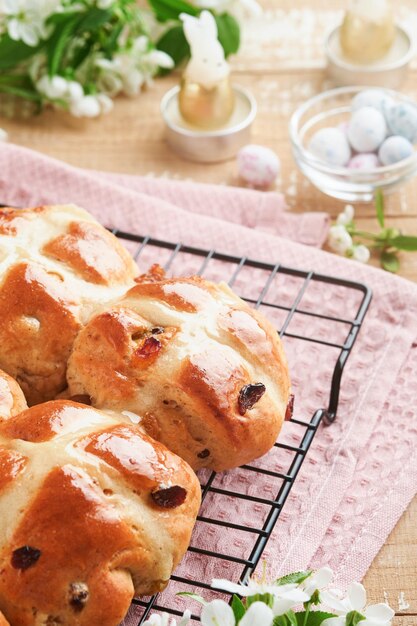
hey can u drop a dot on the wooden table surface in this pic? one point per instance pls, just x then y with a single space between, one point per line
282 62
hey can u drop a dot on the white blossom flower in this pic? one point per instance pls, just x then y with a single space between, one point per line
3 135
26 19
164 620
317 581
53 88
339 239
106 103
75 91
87 106
361 253
219 613
375 614
285 596
128 71
347 216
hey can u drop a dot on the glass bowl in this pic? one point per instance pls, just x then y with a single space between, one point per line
333 108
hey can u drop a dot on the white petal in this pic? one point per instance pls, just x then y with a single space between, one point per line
13 28
282 605
58 87
227 585
323 577
334 621
86 107
185 618
349 212
361 253
258 614
343 219
3 135
357 596
159 58
296 595
154 620
331 600
28 35
217 613
380 612
106 103
75 91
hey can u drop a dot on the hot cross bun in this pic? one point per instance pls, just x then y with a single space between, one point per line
207 374
56 264
93 512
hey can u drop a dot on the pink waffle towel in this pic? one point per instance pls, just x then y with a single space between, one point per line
361 472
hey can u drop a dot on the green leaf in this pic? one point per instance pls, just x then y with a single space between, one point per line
295 578
353 618
390 261
280 620
82 53
21 92
380 208
291 617
170 9
315 618
229 33
238 608
174 43
14 52
58 42
93 19
111 44
266 598
404 242
193 596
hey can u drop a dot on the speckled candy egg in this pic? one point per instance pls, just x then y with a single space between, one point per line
395 149
331 146
258 166
367 130
402 120
374 98
364 161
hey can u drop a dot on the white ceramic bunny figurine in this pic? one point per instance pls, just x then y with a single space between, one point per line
207 65
206 97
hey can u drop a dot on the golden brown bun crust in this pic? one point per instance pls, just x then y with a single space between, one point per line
59 265
3 621
95 512
180 353
12 400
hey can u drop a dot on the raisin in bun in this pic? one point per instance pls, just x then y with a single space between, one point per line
92 512
56 264
207 374
12 400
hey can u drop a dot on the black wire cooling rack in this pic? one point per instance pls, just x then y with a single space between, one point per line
263 276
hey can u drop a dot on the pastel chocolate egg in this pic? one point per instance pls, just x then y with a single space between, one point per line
367 130
375 98
331 146
364 161
395 149
258 166
402 120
